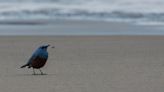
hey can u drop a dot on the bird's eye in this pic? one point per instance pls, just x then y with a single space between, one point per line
43 47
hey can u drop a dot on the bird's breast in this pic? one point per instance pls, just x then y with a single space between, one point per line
38 62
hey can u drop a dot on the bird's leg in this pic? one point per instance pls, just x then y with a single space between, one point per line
33 71
41 72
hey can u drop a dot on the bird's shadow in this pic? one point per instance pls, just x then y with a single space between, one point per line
34 75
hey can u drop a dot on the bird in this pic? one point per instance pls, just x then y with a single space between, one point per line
38 59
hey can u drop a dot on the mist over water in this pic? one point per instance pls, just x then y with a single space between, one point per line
136 11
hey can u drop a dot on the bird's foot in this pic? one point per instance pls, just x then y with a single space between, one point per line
39 74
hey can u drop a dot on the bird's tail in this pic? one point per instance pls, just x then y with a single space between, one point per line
24 66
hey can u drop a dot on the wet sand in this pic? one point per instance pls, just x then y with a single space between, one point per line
84 64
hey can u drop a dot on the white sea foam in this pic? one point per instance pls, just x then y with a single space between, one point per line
105 10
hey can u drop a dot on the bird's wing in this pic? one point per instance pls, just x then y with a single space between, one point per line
31 59
34 55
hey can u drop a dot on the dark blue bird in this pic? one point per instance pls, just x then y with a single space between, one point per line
38 59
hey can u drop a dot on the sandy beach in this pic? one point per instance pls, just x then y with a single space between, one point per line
84 64
100 45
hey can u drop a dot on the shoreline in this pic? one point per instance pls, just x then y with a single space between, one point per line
85 37
79 28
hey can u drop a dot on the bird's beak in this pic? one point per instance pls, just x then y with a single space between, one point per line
53 47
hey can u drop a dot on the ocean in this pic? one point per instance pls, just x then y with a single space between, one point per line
143 12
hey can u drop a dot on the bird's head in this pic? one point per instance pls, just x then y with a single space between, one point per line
44 47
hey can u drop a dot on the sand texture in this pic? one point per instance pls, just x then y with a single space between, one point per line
84 64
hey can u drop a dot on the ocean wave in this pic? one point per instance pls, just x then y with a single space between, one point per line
48 13
105 10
